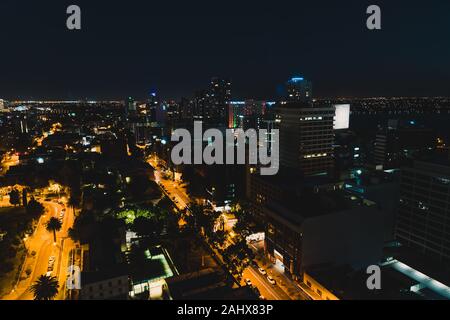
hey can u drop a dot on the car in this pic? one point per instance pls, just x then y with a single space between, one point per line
248 282
51 262
262 271
271 280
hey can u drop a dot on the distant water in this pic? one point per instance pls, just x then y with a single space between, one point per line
367 124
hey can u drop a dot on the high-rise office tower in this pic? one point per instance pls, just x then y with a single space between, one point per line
130 107
306 137
306 131
219 98
299 90
400 141
200 105
423 219
186 108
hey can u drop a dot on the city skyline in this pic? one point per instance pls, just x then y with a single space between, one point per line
250 152
129 51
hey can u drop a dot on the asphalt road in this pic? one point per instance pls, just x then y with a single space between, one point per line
266 289
41 242
173 188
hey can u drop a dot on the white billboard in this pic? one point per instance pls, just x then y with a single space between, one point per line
342 116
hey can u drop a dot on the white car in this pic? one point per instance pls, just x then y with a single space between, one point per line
262 271
248 282
271 280
51 264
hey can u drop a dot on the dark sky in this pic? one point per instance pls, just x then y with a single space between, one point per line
128 47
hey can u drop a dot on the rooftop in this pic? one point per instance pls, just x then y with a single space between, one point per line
314 204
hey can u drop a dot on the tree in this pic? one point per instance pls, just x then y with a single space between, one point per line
14 197
244 223
144 227
74 200
83 228
219 237
241 251
238 256
34 208
45 288
203 218
53 225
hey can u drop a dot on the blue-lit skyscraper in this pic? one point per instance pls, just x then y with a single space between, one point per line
299 90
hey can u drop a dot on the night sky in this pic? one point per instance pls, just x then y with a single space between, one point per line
132 47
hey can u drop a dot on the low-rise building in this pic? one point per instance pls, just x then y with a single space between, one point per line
105 285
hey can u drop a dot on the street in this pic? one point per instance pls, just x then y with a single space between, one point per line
284 289
174 190
267 290
40 248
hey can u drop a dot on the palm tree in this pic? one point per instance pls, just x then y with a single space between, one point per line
74 201
45 288
53 225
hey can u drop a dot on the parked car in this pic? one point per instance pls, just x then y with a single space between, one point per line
271 280
262 271
248 282
51 264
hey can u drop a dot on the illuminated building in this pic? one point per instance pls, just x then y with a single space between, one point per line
324 227
130 107
299 90
212 105
306 138
200 105
399 281
248 114
220 96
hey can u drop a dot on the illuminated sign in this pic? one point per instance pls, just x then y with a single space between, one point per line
342 116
